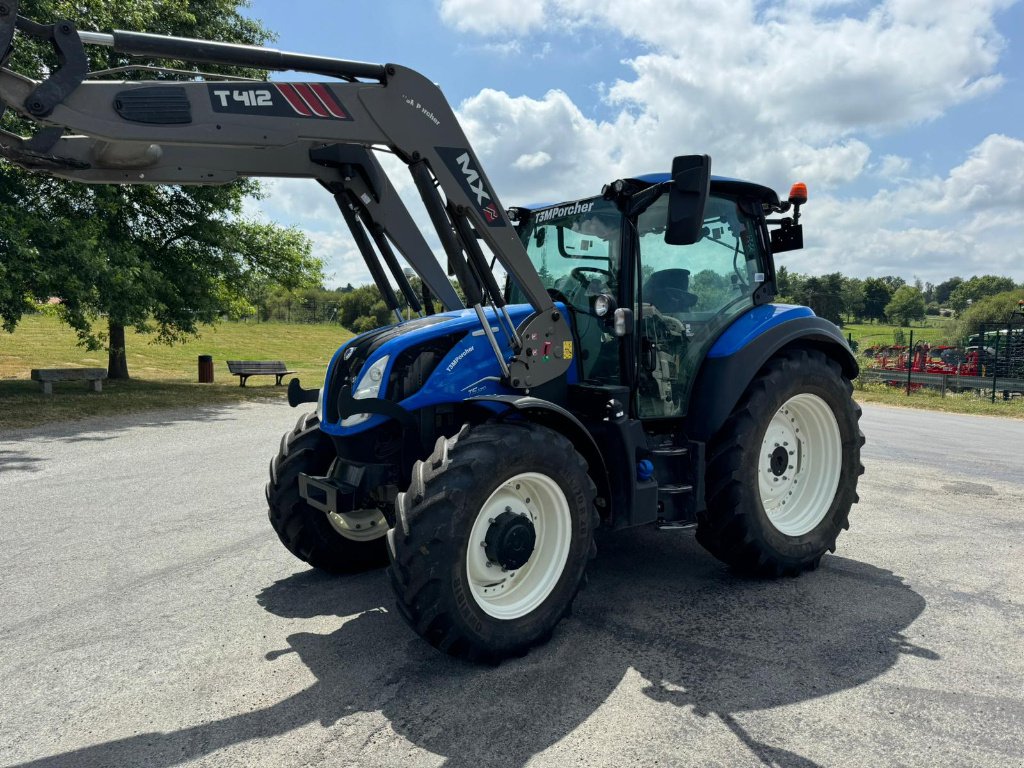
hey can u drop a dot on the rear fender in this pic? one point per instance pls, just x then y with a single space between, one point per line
742 351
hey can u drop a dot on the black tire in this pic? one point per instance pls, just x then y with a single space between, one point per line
735 527
304 530
428 545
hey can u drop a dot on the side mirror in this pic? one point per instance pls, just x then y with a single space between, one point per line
687 195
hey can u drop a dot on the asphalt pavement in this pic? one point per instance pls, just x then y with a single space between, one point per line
150 617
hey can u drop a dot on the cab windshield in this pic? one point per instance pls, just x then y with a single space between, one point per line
575 248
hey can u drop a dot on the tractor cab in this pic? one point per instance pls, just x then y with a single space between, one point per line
645 311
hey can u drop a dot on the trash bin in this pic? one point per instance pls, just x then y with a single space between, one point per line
206 369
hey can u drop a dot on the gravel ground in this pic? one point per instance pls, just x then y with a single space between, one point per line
151 618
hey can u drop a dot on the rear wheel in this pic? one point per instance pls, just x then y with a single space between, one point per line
782 471
335 543
492 539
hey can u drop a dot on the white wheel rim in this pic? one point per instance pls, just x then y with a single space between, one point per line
796 494
359 525
511 594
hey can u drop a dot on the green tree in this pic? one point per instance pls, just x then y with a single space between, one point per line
823 295
853 297
990 309
944 289
790 285
907 304
978 288
893 281
877 294
363 309
782 280
154 258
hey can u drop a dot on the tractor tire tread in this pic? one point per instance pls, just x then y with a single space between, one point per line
418 545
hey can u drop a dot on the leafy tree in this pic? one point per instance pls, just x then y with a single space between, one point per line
989 309
545 276
824 295
906 304
154 258
713 289
853 297
977 288
944 289
877 294
893 281
782 280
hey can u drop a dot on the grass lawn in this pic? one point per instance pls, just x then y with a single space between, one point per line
932 400
933 330
165 377
162 376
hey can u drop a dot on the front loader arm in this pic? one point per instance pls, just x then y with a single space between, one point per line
203 132
98 161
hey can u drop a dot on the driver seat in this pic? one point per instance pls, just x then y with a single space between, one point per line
669 291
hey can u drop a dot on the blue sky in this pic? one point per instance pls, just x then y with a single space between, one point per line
904 117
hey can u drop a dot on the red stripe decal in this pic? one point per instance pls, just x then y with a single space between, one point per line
310 98
294 99
329 101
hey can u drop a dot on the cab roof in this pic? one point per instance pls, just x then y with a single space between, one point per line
721 184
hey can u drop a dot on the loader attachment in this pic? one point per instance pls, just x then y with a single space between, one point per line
211 132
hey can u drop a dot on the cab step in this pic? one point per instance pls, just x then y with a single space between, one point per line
676 488
679 525
670 450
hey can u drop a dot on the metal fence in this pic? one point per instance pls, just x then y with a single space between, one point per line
991 362
991 386
296 311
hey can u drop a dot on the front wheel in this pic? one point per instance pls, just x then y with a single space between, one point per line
782 471
492 539
329 542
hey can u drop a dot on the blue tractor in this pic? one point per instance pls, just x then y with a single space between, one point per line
611 362
691 401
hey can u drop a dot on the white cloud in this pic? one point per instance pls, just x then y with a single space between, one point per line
992 177
492 16
533 160
893 166
505 49
968 222
797 90
771 94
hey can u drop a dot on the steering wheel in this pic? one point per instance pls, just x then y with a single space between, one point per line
577 272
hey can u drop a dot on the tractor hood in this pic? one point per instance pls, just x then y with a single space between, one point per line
442 358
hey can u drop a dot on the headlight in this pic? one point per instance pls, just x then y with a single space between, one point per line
368 387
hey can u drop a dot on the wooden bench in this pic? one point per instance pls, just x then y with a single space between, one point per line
46 377
243 369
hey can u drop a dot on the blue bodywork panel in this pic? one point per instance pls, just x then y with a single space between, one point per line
748 327
470 369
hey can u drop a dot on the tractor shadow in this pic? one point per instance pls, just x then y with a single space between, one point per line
702 639
18 461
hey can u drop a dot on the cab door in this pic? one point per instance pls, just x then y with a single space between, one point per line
687 295
575 248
